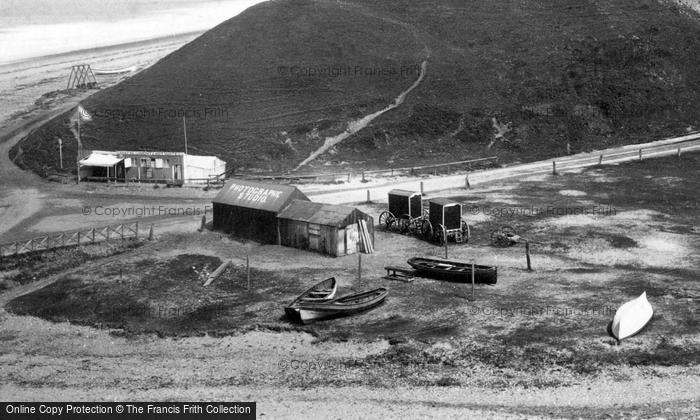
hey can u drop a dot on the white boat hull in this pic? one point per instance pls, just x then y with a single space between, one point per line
631 317
307 315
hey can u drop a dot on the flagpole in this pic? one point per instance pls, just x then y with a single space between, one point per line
184 127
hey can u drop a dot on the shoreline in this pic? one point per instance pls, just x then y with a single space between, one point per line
97 50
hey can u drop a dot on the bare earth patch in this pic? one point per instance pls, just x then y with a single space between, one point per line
534 339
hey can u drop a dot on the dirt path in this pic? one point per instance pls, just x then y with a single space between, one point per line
357 125
20 191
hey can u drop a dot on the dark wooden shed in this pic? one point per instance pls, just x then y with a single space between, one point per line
325 228
249 209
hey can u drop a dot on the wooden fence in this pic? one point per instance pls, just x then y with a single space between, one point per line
346 176
74 238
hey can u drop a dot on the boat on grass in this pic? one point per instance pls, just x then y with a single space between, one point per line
455 271
343 306
324 290
631 317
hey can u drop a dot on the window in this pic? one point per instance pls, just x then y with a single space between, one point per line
149 173
153 162
166 163
144 162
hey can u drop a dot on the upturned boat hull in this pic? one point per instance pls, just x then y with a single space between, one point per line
631 317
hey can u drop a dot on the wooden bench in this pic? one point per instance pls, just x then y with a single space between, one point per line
399 273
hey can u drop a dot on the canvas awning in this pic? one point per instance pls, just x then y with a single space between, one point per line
101 160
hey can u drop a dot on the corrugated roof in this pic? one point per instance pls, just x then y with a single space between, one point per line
404 193
330 215
318 213
258 195
300 210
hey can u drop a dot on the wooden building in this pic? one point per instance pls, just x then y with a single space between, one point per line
326 228
142 166
249 209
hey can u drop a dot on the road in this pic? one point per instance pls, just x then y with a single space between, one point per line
355 193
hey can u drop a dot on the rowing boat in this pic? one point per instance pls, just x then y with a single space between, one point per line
343 306
453 270
324 290
115 71
631 317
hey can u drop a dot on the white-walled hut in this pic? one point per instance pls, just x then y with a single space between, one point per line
249 209
144 166
326 228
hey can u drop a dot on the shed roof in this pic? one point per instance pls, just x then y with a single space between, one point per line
443 202
318 213
258 195
403 193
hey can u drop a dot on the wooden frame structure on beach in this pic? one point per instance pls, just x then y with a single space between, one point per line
81 77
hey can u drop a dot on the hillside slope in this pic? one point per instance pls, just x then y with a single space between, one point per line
516 78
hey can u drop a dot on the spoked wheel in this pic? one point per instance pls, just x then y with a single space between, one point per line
386 220
404 223
466 231
416 227
502 237
426 230
439 235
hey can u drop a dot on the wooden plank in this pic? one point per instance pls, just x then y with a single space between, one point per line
213 276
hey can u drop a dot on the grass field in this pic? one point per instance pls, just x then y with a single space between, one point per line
264 89
537 329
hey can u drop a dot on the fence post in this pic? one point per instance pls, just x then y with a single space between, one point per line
348 177
421 188
108 229
150 233
247 270
554 167
679 152
467 185
93 237
600 159
444 234
363 177
527 255
640 154
473 275
359 267
368 200
137 230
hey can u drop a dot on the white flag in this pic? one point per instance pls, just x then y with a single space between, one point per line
84 115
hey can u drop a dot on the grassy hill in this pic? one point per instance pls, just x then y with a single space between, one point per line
520 79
